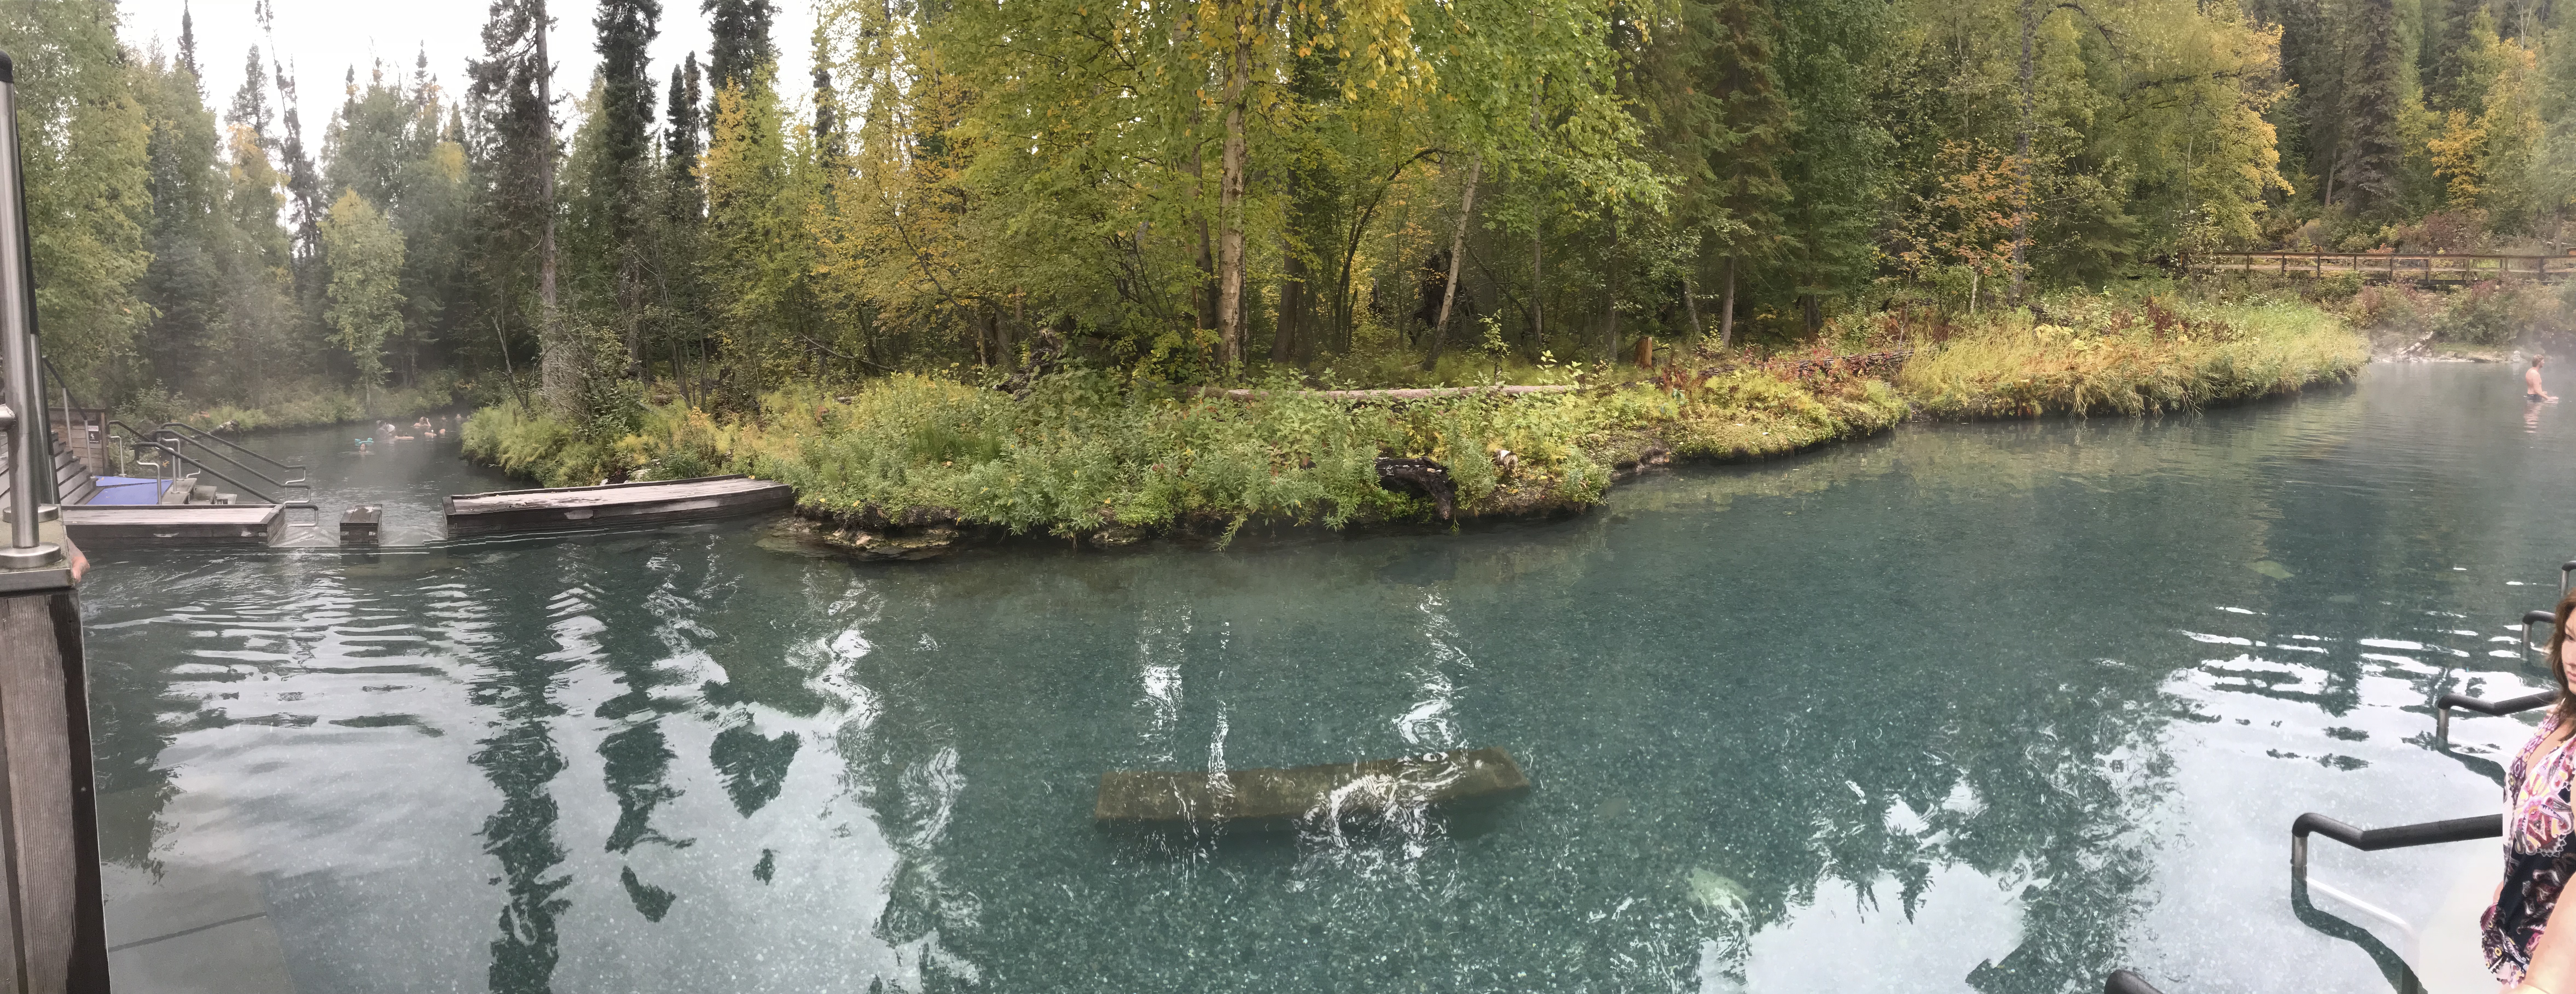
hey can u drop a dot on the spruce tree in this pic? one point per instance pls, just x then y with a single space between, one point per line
620 166
188 43
741 53
682 140
183 283
513 153
2373 154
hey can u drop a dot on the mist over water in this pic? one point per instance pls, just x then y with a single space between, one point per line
1991 708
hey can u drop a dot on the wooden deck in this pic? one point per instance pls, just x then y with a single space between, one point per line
615 504
175 524
1339 789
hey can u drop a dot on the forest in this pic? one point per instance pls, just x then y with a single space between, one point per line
1361 191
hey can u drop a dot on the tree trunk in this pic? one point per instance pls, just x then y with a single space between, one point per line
2021 164
1229 193
559 369
1610 296
1690 306
1726 316
1538 292
1287 342
1457 257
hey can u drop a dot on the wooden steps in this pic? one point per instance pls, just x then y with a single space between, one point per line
71 475
612 505
175 524
1340 789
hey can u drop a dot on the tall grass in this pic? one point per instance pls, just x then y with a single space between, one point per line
2130 357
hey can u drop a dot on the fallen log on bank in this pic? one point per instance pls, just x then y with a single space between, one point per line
1333 790
1422 478
1407 393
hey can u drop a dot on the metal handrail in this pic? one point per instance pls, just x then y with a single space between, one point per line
2127 982
209 470
202 435
2530 618
2394 837
2511 705
2563 570
138 439
203 452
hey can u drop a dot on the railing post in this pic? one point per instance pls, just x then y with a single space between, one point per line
53 934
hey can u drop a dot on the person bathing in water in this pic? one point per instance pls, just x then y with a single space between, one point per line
2525 946
2531 389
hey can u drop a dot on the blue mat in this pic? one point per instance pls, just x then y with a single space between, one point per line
126 490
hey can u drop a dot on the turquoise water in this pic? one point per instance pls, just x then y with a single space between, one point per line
1992 707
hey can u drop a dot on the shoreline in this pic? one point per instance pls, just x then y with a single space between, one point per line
815 531
909 467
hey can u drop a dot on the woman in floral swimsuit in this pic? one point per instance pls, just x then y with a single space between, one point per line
2529 955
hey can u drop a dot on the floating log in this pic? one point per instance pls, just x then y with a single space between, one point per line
1338 790
175 524
613 504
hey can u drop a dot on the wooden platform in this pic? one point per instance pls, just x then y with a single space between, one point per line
1343 789
175 524
653 502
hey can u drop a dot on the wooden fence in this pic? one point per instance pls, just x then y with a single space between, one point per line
2388 267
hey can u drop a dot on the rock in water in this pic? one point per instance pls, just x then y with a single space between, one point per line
1422 478
1718 892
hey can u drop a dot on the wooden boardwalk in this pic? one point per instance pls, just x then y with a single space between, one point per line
175 524
1337 789
614 504
2384 267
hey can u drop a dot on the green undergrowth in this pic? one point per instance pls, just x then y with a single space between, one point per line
1082 453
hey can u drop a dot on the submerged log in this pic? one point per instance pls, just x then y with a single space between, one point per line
1333 790
1421 478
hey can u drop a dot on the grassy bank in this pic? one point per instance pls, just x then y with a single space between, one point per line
1082 454
2100 355
300 408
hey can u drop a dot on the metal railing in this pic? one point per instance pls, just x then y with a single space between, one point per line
175 445
138 436
2530 618
2394 837
2563 571
179 441
302 505
181 469
2127 982
2512 705
201 437
2375 840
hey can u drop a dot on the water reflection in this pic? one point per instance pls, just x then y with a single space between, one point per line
1993 708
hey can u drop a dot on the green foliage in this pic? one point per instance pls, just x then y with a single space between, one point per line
85 141
366 294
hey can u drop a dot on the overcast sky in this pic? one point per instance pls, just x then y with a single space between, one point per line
321 39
